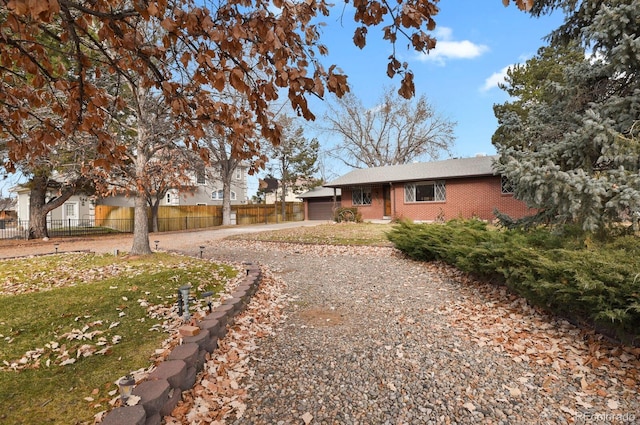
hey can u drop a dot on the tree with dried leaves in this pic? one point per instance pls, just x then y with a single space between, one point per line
53 178
395 131
256 50
169 170
227 149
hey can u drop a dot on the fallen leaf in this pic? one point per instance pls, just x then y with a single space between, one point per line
469 406
569 411
133 400
612 404
513 392
307 418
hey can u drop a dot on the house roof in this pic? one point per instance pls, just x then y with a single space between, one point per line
447 169
319 192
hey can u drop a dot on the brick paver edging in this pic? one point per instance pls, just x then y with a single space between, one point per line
161 391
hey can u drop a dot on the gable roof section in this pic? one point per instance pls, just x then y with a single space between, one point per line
437 170
319 192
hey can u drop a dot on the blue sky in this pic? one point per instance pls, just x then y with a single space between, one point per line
477 41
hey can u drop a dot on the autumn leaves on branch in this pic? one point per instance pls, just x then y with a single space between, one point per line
55 56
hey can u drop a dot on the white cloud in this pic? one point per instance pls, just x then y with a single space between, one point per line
449 49
494 79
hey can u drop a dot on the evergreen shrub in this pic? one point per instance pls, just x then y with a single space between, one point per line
578 277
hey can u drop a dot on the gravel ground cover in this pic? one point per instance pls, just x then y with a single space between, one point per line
362 335
369 337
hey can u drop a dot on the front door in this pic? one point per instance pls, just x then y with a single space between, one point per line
386 195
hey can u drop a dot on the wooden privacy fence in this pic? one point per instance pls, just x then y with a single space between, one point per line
184 217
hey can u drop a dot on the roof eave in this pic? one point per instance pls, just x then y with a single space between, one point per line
389 181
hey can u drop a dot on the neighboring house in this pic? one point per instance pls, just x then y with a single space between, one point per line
291 196
320 202
293 192
205 189
76 208
440 190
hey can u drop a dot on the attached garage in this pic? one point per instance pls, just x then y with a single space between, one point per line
319 209
319 203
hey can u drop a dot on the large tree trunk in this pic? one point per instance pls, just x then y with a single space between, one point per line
155 205
285 176
37 213
39 207
140 212
140 227
226 199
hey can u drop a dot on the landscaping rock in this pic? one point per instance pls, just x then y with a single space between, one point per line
126 415
175 395
174 371
153 396
186 352
201 339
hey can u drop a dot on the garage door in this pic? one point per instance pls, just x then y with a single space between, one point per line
320 210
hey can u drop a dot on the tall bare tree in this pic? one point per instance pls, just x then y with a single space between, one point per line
395 131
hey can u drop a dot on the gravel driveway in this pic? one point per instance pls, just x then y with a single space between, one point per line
373 338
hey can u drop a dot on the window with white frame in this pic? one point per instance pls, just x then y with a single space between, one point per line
361 196
238 174
219 195
505 185
425 192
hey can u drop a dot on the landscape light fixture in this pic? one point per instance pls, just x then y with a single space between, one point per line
183 301
207 296
56 245
156 242
125 385
201 250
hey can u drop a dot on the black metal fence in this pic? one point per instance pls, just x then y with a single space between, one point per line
19 229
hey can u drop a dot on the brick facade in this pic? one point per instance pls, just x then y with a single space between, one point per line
465 198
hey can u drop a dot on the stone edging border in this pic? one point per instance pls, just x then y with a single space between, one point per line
161 391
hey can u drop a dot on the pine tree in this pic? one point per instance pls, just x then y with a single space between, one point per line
294 160
570 143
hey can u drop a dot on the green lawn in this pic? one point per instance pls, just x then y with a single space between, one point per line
72 324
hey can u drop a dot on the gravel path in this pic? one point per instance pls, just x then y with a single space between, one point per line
374 338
